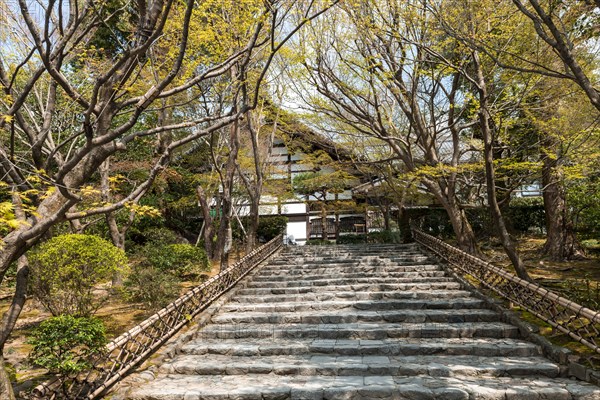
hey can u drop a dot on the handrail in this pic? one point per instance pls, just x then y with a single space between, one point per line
126 351
580 323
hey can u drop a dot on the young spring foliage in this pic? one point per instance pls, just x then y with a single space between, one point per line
66 269
64 343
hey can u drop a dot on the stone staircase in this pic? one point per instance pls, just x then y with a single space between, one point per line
358 322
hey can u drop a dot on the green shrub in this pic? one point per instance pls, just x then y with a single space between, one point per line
152 287
155 235
527 213
65 269
162 236
351 239
178 259
385 237
271 226
64 344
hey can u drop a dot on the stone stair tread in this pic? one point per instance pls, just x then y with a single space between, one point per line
299 305
346 281
276 278
426 265
362 330
355 287
386 260
396 346
362 365
358 295
353 315
356 262
259 387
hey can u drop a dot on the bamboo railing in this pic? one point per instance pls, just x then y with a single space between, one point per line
580 323
128 350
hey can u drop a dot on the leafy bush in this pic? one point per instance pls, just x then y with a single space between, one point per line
156 235
351 239
385 237
64 344
65 269
154 280
152 287
526 213
583 197
177 259
271 226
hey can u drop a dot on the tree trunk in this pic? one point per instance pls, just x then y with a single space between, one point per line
117 236
465 237
255 188
224 234
386 217
6 390
76 226
404 226
502 186
118 239
252 225
207 231
486 131
561 242
9 319
324 220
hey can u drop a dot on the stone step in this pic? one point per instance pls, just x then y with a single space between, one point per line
393 347
368 365
277 276
350 295
371 248
354 252
344 255
312 263
357 287
415 304
325 270
345 281
346 258
259 387
351 316
372 331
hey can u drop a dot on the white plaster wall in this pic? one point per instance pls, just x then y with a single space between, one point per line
293 208
297 230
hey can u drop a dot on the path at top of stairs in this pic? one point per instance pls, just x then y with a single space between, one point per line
358 322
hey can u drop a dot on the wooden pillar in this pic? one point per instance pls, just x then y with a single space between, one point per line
404 225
